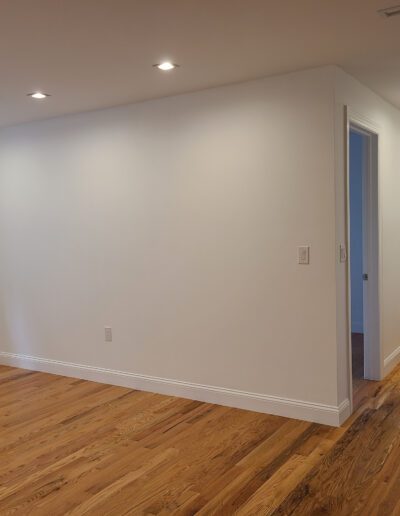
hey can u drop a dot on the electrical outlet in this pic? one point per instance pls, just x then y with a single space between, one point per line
303 255
108 333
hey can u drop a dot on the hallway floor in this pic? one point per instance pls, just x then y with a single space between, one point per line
361 387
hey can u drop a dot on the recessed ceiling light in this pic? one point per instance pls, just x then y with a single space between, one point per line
388 12
38 95
166 65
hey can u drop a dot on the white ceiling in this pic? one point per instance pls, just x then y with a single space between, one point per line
95 53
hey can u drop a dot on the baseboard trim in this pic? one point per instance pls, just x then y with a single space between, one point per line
391 361
291 408
344 411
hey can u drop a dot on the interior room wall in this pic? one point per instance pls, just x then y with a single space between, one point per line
356 160
370 107
177 222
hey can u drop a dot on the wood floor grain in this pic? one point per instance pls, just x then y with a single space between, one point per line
72 447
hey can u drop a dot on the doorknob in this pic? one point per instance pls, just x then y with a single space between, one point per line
365 277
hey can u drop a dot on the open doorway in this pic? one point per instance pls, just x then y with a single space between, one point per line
364 259
357 171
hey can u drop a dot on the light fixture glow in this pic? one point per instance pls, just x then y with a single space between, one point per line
166 65
38 95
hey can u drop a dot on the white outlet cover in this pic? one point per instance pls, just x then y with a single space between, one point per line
108 333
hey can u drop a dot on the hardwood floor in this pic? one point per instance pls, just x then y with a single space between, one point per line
361 386
74 447
357 352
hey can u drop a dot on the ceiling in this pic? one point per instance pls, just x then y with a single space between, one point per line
90 54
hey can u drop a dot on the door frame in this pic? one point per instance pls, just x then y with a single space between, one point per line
373 356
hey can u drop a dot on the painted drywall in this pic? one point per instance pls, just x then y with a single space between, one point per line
369 106
176 222
356 164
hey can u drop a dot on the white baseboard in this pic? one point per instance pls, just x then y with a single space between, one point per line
325 414
391 361
344 412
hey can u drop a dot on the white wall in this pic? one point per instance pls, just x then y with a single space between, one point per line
374 110
177 223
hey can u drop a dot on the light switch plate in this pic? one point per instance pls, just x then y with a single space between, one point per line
303 254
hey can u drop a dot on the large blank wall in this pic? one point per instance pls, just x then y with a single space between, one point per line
177 223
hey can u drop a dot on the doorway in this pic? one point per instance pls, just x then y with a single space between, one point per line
363 242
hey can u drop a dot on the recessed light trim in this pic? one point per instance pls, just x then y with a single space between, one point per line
38 95
165 66
388 12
